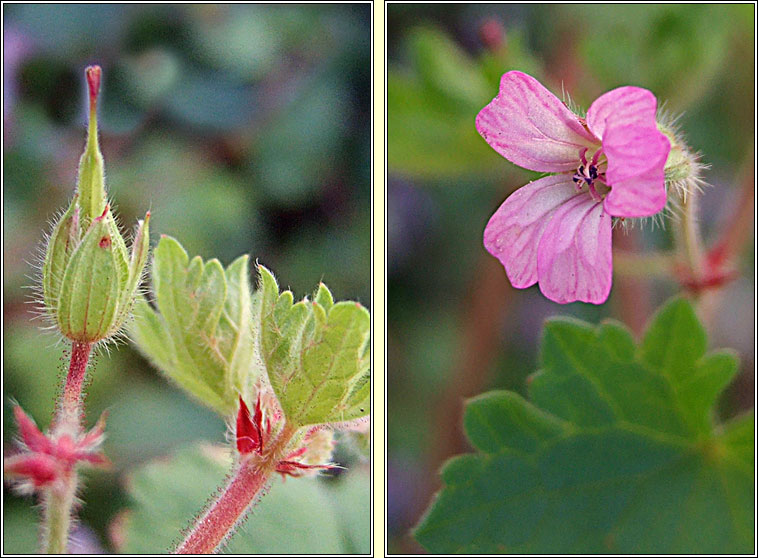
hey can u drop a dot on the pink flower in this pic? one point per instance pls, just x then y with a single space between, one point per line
557 229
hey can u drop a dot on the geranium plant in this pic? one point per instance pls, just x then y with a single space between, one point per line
618 448
284 374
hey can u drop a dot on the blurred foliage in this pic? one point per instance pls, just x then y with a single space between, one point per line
444 183
243 128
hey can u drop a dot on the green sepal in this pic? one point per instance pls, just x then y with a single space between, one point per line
90 290
60 247
135 267
317 359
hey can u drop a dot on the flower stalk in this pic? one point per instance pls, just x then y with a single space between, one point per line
251 475
70 410
59 498
58 502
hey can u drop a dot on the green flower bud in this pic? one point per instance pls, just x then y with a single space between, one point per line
90 283
88 306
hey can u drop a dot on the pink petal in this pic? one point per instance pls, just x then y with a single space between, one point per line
636 160
574 260
636 151
530 127
623 106
513 233
638 196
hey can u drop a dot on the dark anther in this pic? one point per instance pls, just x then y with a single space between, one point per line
581 169
576 179
593 172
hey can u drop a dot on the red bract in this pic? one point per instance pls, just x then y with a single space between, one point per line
296 469
249 432
49 458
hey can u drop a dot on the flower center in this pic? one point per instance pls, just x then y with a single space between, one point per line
588 173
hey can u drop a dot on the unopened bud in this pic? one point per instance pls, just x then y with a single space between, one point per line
90 292
90 282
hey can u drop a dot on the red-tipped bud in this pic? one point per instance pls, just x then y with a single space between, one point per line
249 436
93 82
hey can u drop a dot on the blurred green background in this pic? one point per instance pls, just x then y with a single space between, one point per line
243 128
456 328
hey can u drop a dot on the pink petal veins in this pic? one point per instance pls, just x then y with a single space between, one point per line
514 231
574 260
639 196
623 106
636 151
530 127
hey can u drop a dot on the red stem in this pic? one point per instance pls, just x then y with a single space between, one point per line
72 390
215 525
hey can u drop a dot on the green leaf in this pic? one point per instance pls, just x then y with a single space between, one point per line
317 356
201 335
617 452
300 516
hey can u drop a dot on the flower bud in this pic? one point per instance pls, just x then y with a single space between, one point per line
90 282
90 292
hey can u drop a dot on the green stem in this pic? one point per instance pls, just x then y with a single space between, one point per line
58 502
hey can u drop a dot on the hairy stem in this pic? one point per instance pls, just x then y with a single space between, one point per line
70 410
252 474
688 238
58 502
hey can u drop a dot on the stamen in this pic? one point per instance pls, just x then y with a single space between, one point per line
582 156
596 157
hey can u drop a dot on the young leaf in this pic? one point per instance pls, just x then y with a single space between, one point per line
617 452
201 335
316 354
